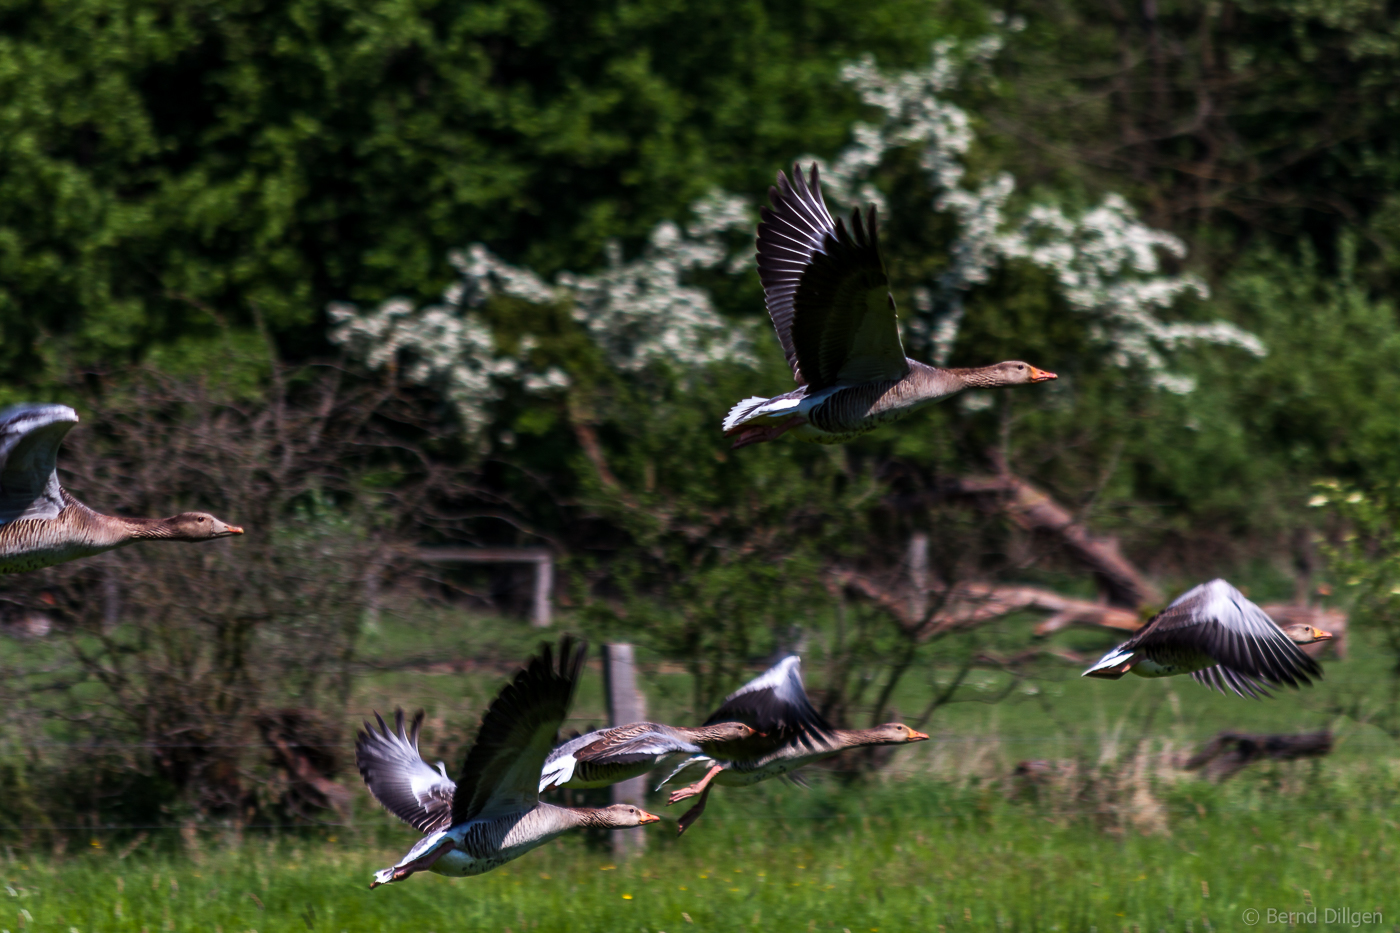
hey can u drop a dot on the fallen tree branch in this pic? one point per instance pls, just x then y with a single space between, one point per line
1034 510
1229 752
968 605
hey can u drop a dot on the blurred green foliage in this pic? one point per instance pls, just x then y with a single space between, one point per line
169 171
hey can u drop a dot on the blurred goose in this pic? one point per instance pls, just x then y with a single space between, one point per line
41 524
1221 639
829 301
776 703
607 756
492 813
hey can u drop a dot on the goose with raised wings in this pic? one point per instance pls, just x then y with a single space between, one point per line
827 295
608 756
1215 634
492 813
42 524
775 703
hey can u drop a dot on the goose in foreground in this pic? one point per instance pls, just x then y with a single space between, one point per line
492 813
829 301
1221 639
41 524
608 756
776 704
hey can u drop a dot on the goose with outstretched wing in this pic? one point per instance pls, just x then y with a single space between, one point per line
1215 634
42 524
492 813
608 756
795 734
828 298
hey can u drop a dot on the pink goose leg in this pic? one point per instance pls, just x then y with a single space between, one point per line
697 787
693 814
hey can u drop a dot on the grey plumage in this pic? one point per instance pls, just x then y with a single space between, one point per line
607 756
828 298
491 814
41 524
776 704
1215 634
400 779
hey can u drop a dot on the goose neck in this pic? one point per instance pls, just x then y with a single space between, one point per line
143 529
929 382
856 738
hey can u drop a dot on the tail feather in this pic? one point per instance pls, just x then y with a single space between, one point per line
741 412
1108 667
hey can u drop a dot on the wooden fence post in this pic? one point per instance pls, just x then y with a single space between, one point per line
918 575
544 590
542 559
625 705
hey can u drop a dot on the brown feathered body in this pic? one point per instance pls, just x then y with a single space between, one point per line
607 756
828 298
42 524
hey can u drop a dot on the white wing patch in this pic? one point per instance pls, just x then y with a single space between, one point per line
1113 659
557 772
755 407
779 678
30 436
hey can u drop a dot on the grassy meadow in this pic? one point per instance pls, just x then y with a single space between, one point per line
1111 835
892 855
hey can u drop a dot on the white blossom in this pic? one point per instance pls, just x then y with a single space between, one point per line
1106 262
438 346
638 312
642 311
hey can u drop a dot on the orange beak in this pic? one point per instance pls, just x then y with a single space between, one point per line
649 818
1040 375
1320 635
235 529
916 736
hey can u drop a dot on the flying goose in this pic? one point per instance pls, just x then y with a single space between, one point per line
492 814
1221 639
595 759
41 524
607 756
776 703
829 301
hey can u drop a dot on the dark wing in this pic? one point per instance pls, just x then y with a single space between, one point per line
826 289
1217 619
29 440
1227 681
399 778
501 773
776 703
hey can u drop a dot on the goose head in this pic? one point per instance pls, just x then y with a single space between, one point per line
730 732
895 733
623 816
1009 373
197 526
1301 633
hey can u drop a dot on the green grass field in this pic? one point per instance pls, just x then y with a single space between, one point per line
905 855
1117 838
